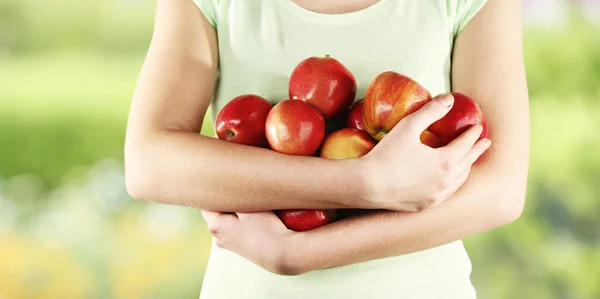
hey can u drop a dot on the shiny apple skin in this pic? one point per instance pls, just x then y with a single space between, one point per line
304 220
324 83
356 116
430 139
295 128
243 119
390 97
465 112
347 143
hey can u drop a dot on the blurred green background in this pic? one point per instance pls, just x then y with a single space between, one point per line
68 229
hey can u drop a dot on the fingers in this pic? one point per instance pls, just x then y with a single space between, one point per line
209 216
264 216
476 151
456 150
459 180
461 170
218 222
261 214
420 120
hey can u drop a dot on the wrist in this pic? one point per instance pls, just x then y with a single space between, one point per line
364 173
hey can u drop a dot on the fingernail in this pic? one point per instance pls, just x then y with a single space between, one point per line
446 99
488 143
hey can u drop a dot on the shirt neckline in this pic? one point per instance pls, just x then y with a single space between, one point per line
325 17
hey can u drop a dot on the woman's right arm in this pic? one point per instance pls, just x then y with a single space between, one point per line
168 161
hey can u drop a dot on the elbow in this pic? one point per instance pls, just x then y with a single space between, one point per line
286 262
287 266
507 201
138 180
513 212
137 183
509 208
136 189
286 269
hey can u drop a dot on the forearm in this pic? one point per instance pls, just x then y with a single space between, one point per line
184 168
167 161
484 202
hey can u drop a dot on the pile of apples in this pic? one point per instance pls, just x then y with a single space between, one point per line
321 118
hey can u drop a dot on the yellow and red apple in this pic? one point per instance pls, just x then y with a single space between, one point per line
347 143
390 97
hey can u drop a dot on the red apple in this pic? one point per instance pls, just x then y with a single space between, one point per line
484 132
389 98
464 113
243 119
431 139
295 128
324 83
347 143
355 117
303 220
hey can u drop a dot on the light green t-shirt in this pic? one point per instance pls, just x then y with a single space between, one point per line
260 43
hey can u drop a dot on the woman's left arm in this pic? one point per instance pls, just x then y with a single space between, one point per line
488 66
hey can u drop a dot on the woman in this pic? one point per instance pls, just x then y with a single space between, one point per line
424 200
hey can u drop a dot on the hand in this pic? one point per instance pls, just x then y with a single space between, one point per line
260 237
403 174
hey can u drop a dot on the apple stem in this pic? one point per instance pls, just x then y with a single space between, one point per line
327 55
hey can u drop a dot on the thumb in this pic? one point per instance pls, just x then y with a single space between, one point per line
420 120
210 216
268 218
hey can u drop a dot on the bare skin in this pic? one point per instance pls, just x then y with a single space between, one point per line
167 161
488 65
335 6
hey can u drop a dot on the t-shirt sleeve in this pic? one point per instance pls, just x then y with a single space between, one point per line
209 10
465 11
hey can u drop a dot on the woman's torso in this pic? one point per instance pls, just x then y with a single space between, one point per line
260 43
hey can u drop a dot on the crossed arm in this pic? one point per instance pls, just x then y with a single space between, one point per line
487 65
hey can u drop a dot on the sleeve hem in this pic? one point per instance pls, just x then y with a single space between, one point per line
473 11
207 10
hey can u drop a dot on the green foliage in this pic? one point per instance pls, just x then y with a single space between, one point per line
61 112
108 26
563 61
551 251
